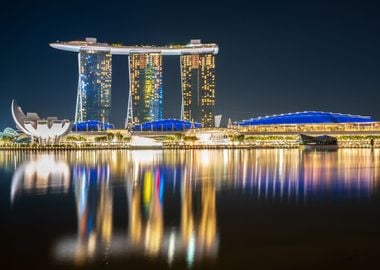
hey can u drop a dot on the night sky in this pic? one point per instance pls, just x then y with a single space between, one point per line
274 56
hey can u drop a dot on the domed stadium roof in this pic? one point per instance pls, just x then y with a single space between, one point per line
166 125
308 117
91 125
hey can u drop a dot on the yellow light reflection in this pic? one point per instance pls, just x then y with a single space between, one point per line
193 178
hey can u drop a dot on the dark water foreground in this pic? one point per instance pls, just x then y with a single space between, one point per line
195 209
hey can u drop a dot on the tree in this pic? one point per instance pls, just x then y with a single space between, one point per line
119 136
110 136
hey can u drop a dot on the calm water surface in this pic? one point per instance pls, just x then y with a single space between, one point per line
201 209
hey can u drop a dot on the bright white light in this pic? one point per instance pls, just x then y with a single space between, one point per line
205 158
138 141
171 248
143 156
191 251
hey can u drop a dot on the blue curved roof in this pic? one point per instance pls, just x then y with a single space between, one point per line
308 117
91 125
166 125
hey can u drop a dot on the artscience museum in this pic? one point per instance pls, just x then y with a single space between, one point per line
46 131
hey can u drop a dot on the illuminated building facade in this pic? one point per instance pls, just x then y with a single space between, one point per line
94 85
307 117
309 122
198 88
145 95
145 74
46 131
166 125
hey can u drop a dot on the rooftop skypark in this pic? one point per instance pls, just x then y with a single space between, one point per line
195 46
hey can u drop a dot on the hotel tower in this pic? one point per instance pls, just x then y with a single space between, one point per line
94 85
145 91
198 88
145 102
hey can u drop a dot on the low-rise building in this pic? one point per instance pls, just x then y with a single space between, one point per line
45 131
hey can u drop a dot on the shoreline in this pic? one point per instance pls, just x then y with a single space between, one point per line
172 147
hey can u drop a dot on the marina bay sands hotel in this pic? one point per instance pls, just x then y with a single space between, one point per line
197 62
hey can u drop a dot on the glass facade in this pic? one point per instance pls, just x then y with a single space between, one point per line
94 86
198 88
145 101
146 86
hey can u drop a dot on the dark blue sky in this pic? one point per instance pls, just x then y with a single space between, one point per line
275 56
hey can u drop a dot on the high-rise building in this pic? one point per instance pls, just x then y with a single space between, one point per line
94 85
145 78
198 88
145 96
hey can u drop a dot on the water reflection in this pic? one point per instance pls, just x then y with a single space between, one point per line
94 203
147 233
40 176
191 179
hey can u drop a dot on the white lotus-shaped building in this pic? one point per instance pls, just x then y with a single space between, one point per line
48 130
